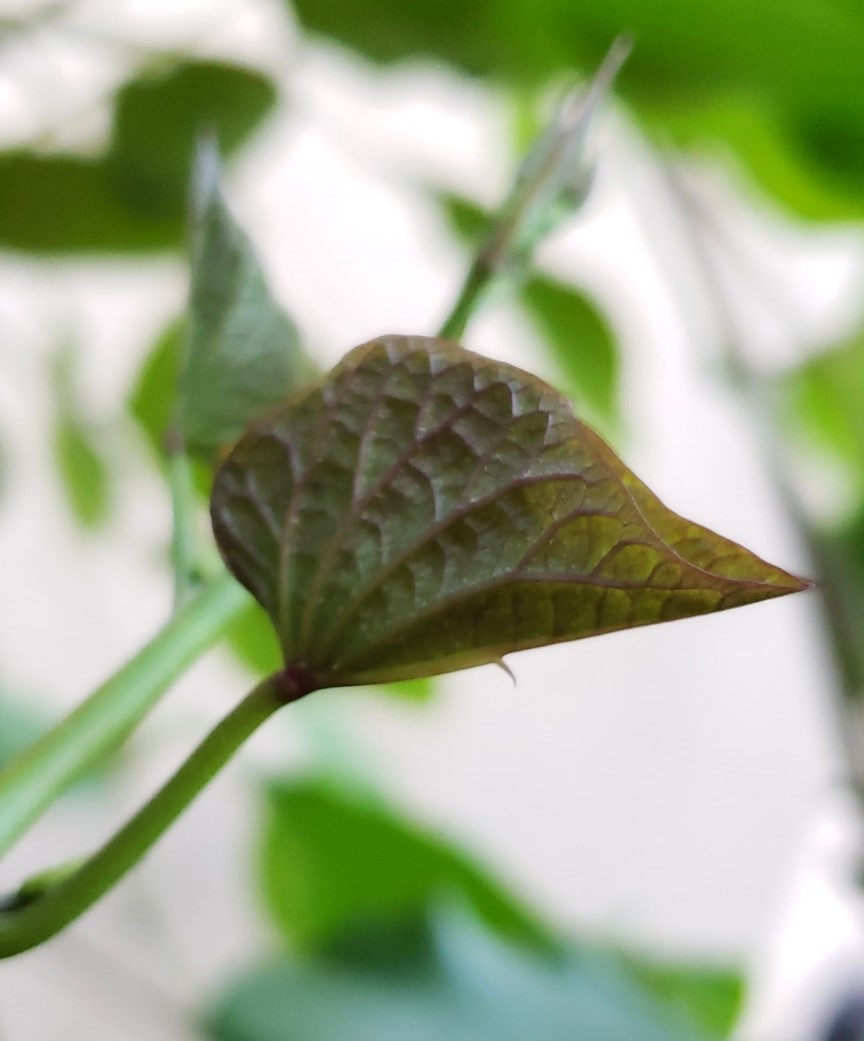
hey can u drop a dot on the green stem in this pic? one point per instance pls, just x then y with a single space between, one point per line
30 783
60 904
478 280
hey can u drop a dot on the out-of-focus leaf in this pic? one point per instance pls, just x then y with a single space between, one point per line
83 473
252 639
131 198
159 116
151 401
471 987
242 354
711 998
468 220
499 39
64 204
771 156
420 690
824 400
580 340
425 509
796 65
80 463
334 862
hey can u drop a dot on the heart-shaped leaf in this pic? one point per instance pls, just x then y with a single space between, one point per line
424 509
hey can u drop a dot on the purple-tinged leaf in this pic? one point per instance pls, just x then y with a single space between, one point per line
425 509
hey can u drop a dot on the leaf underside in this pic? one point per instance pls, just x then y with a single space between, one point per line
425 509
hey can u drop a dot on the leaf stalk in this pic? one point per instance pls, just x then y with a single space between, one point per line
46 913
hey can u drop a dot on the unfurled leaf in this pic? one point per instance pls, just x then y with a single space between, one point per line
425 509
580 340
468 987
398 871
242 353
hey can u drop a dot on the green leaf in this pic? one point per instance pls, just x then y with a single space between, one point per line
335 861
825 401
807 138
242 354
80 462
712 998
131 198
420 690
500 39
425 509
470 987
768 149
151 401
83 473
469 221
250 636
580 341
159 116
64 204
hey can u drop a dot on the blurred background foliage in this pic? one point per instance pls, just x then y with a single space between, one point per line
381 929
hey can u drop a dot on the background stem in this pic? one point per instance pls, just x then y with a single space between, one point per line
62 903
705 241
30 783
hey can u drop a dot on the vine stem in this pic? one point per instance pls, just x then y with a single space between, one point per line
705 236
30 783
47 913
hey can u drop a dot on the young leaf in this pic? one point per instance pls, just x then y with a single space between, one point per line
242 353
425 509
